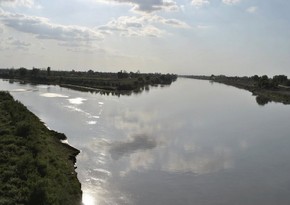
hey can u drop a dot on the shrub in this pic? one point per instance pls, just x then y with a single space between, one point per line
23 129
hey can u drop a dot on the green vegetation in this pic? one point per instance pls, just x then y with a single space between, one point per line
36 168
120 82
276 89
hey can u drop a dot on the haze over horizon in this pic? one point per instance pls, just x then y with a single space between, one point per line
231 37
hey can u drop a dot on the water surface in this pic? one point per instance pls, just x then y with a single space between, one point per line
191 143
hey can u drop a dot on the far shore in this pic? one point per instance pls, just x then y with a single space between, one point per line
119 83
276 89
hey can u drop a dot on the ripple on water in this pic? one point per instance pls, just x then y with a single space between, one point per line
97 181
76 109
101 172
19 90
23 90
44 86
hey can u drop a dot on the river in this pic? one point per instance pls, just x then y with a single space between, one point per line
193 143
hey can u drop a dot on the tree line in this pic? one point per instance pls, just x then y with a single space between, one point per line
120 81
263 82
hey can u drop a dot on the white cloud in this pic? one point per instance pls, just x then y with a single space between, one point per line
230 2
42 28
175 23
14 3
151 31
12 43
18 44
140 25
82 47
182 8
202 27
252 9
148 6
87 50
199 3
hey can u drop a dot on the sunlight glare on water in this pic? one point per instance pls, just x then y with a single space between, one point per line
92 122
77 101
88 199
53 95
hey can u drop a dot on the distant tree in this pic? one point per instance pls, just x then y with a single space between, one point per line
35 72
11 73
122 74
264 82
280 79
48 71
90 72
22 72
255 78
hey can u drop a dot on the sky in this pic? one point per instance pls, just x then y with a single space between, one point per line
196 37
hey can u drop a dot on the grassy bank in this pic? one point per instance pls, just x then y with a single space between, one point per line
36 168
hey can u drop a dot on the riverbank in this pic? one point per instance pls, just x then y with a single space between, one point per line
104 82
265 89
36 168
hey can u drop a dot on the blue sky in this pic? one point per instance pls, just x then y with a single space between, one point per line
231 37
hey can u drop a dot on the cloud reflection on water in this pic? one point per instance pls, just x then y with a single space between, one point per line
132 122
179 152
87 114
198 161
138 142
